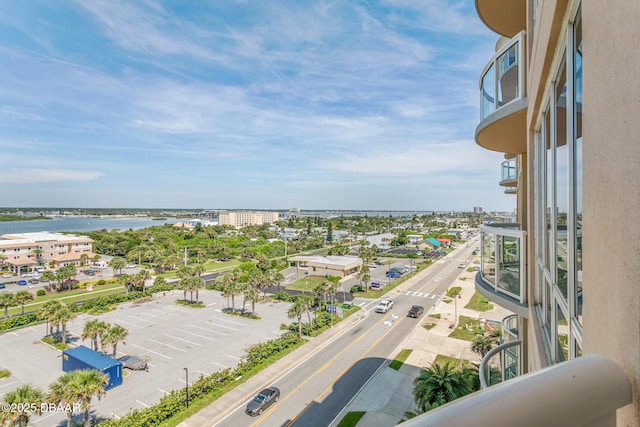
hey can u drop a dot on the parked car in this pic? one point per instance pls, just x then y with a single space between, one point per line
131 266
2 286
373 265
379 263
21 283
384 306
262 401
415 311
34 280
90 272
393 274
6 275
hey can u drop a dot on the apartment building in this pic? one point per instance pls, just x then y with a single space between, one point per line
569 267
22 252
240 219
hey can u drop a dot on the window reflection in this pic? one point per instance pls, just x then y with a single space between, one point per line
577 51
509 278
508 76
562 181
562 330
488 90
488 258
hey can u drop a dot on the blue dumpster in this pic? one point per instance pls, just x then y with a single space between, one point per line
79 358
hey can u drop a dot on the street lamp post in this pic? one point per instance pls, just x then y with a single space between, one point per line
186 373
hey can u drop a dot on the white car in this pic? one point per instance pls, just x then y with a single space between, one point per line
131 266
6 275
384 306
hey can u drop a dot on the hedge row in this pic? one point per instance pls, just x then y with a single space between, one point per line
175 401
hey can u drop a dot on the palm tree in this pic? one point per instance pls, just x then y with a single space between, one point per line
63 316
93 329
60 394
22 298
438 385
38 253
6 301
482 344
251 294
48 276
27 400
48 313
113 336
78 387
117 264
296 311
86 384
160 281
84 257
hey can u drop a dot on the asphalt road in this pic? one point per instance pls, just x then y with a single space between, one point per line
315 391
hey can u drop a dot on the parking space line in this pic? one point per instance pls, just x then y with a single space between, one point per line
151 351
155 316
197 335
182 339
231 321
128 323
164 312
207 329
137 318
234 357
228 327
142 403
219 364
4 385
213 303
168 345
203 373
163 391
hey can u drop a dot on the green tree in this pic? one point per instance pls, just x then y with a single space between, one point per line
63 316
482 344
78 388
114 335
117 264
93 329
438 385
24 398
48 276
22 298
48 313
298 308
6 301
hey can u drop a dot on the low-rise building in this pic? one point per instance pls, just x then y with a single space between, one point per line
339 266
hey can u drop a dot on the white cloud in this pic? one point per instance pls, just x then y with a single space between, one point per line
46 176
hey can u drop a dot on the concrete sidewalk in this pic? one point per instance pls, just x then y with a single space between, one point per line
382 409
388 408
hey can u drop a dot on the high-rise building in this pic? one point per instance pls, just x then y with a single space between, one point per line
240 219
569 267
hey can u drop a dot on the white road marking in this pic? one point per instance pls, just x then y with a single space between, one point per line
142 403
168 345
222 366
207 329
182 339
151 351
197 335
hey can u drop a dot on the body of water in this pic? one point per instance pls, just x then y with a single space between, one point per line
79 224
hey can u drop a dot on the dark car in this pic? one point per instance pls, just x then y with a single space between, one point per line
262 401
133 363
415 311
34 280
2 286
393 274
90 272
21 283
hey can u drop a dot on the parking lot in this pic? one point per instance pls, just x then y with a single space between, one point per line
170 337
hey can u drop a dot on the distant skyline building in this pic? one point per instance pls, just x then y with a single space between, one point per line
478 209
240 219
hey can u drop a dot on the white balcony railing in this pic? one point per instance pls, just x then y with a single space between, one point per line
508 172
503 260
503 79
582 392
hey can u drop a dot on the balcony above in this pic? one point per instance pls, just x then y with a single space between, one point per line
503 101
503 274
505 17
509 174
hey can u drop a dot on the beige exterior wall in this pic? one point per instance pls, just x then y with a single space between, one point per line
18 249
610 173
240 219
612 187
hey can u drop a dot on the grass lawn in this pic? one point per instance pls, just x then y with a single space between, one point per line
70 297
400 359
467 329
441 360
351 419
479 303
306 284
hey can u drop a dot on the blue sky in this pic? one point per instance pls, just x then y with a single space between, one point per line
244 104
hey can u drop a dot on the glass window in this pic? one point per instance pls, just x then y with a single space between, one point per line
488 92
562 332
508 76
577 52
488 258
509 264
548 187
561 180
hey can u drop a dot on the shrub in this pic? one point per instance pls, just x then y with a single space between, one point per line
357 288
41 292
4 373
101 282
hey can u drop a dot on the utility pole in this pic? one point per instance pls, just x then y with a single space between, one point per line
186 373
186 257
